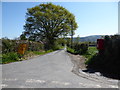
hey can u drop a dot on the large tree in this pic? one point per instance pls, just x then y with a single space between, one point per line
47 22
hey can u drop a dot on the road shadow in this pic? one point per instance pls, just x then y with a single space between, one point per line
102 73
87 69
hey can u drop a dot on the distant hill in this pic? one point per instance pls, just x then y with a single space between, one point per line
92 38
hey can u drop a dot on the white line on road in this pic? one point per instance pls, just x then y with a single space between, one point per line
62 83
10 79
34 81
3 85
90 85
112 86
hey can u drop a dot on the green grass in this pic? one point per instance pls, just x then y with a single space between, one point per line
41 53
70 50
90 53
9 57
0 58
0 55
13 56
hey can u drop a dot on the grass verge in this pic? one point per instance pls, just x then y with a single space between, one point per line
70 50
9 57
90 54
14 57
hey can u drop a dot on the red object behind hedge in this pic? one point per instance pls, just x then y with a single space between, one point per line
100 44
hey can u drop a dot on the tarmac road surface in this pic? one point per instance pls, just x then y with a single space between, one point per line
53 70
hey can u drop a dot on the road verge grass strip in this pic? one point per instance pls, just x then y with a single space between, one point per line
14 57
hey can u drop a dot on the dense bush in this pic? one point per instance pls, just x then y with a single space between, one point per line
68 42
61 41
92 52
12 45
8 45
34 46
78 48
70 50
109 59
10 57
10 49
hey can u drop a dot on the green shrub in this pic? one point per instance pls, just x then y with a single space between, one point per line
109 58
0 58
84 48
78 48
8 45
90 58
56 47
10 57
70 50
12 45
91 53
61 41
13 57
34 46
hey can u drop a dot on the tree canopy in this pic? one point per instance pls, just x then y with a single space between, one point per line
47 22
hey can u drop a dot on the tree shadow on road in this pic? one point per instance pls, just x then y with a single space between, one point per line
102 73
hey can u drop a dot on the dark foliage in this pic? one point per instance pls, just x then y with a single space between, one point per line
12 45
79 48
109 59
